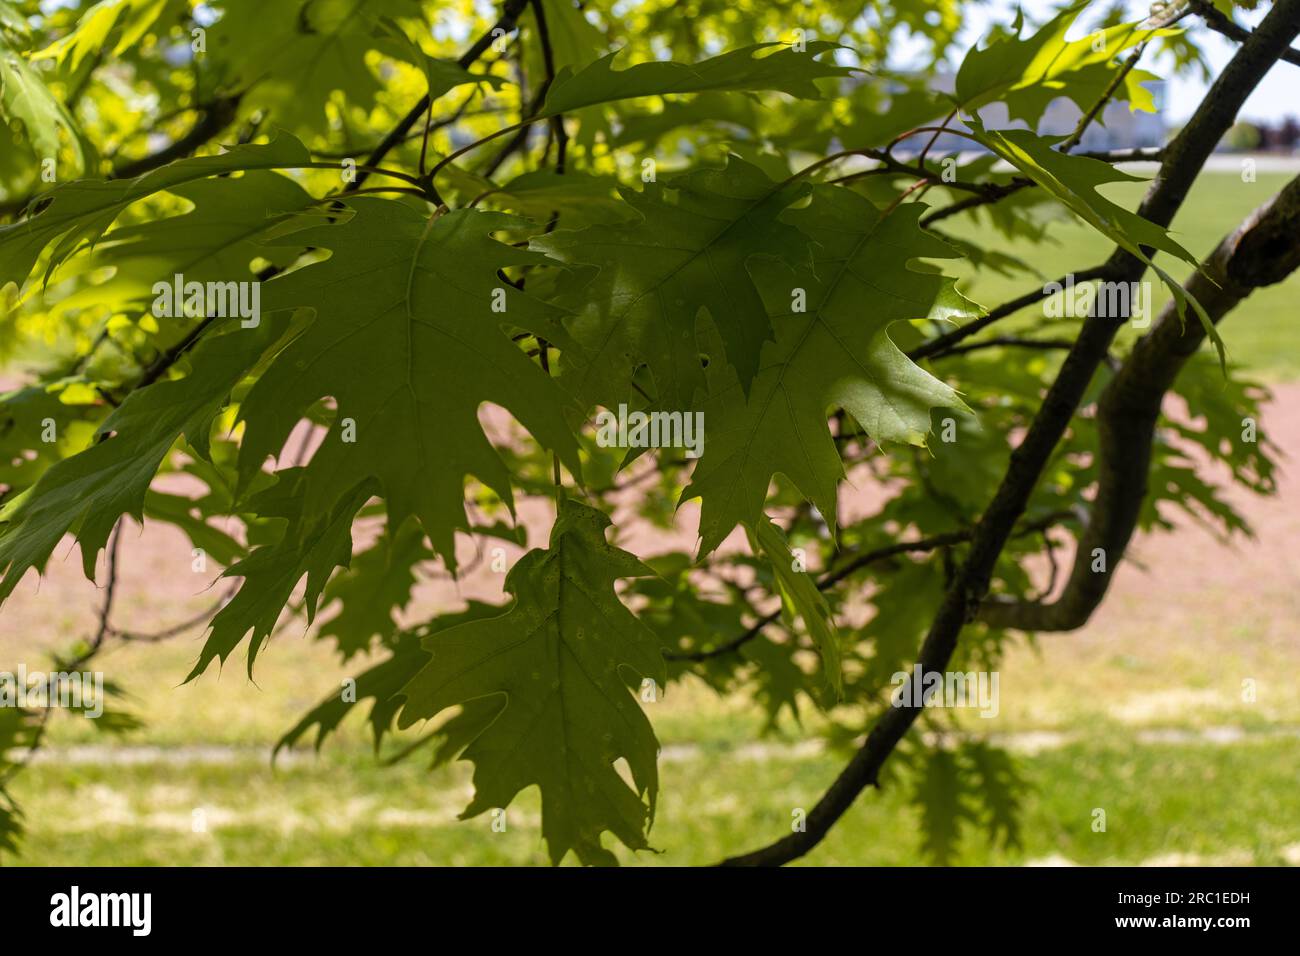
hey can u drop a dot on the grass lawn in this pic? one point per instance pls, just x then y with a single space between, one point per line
1173 787
343 810
1261 335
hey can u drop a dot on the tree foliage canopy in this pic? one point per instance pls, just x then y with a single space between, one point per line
233 224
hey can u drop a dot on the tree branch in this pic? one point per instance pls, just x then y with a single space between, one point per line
1139 154
213 118
944 343
1044 345
1086 120
510 12
1072 141
1263 250
548 60
828 580
1220 22
93 647
856 563
1187 154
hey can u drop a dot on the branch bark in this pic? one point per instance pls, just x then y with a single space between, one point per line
1263 250
1220 22
854 564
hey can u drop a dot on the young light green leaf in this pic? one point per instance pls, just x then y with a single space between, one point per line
1028 73
26 100
94 30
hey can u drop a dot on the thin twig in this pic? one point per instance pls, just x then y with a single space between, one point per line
854 564
944 343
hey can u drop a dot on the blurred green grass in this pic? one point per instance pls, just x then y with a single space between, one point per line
1262 335
1171 790
1205 802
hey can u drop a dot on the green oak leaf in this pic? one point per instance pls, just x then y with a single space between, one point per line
800 597
377 583
88 492
945 802
686 252
1085 87
25 99
1000 787
787 71
875 124
27 416
1027 73
181 511
78 213
409 336
557 663
215 241
579 198
832 350
311 547
1074 180
382 682
294 56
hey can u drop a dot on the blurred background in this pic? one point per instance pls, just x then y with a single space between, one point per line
1142 712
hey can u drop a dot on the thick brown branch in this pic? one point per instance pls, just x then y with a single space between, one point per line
1263 250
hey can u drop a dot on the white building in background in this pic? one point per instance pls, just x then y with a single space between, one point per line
1117 128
